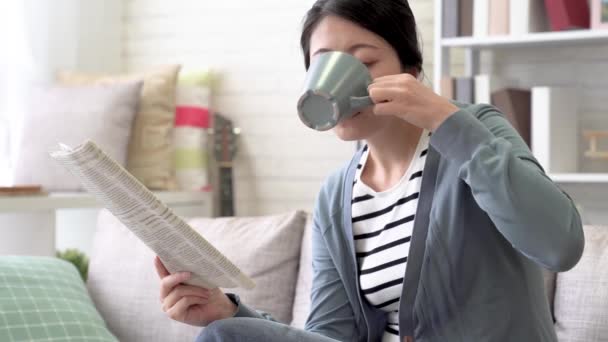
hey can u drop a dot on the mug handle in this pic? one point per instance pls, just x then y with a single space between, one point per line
360 102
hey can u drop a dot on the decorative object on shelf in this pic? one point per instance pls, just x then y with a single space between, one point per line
77 258
21 190
225 146
150 153
568 14
192 121
594 151
599 14
516 105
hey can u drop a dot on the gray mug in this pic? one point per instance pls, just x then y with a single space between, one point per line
335 88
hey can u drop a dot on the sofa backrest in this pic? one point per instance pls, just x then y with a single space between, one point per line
301 302
581 294
125 288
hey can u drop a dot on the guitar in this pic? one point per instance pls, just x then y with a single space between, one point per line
225 136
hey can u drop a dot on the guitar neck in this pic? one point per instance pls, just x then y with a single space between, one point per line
226 197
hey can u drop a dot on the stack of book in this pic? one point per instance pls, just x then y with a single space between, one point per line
482 18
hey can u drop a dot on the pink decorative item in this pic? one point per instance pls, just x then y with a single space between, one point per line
567 14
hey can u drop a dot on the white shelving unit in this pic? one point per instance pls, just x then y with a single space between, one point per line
473 46
580 177
81 200
39 225
530 40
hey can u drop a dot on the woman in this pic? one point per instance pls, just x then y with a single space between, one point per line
435 231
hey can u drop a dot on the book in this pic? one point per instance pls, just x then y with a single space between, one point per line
516 105
450 25
568 14
531 17
465 18
447 87
177 244
499 17
464 89
555 133
481 18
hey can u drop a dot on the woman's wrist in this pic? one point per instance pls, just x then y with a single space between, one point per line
231 307
443 113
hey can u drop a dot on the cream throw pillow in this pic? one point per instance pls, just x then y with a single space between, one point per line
125 288
150 156
71 115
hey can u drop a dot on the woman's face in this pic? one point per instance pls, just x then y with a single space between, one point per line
337 34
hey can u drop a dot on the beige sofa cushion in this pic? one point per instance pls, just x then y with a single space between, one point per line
125 288
581 294
150 157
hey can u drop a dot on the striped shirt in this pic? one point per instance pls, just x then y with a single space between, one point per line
382 226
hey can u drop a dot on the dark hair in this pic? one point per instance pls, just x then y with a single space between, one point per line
392 20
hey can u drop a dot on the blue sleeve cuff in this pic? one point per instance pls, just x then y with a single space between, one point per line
459 136
242 309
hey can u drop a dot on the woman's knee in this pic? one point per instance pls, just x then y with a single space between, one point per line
224 330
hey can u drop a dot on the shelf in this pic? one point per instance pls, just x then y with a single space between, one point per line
580 177
533 39
82 200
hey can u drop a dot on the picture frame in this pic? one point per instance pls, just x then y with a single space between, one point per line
599 14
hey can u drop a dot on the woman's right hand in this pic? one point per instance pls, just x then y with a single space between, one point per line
191 304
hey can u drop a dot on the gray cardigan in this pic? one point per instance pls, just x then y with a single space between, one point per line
488 219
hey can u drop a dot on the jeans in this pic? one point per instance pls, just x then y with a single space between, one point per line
256 330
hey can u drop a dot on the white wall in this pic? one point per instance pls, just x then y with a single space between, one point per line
255 45
38 37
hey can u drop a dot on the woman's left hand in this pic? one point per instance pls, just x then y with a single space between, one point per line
407 98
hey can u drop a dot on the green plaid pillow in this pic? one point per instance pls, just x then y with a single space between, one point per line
44 299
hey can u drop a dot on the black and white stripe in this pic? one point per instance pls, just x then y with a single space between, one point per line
382 228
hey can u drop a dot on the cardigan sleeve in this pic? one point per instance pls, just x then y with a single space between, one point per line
529 210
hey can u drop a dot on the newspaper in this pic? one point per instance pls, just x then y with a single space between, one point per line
179 246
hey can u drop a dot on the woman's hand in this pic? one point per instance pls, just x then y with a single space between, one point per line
405 97
191 304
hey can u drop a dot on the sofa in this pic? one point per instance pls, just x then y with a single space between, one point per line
276 252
